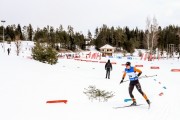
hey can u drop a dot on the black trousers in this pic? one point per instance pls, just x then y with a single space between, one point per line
131 88
108 73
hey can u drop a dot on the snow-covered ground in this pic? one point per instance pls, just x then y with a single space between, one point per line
26 85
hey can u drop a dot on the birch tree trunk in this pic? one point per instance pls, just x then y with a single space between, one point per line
154 29
148 22
152 33
18 46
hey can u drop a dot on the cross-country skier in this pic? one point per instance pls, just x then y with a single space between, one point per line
133 77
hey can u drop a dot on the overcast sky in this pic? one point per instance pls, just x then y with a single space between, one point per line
84 15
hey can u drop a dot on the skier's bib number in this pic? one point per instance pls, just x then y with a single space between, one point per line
131 75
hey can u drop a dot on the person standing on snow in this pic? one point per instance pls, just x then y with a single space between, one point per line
8 50
133 77
108 68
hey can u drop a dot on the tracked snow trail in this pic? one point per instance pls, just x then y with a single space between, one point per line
26 85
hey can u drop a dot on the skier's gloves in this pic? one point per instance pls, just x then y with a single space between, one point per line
139 74
121 81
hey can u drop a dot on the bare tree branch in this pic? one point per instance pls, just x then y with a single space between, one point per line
151 33
18 46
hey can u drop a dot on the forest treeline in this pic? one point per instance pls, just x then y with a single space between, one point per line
121 38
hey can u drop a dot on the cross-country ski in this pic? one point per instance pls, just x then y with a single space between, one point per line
128 106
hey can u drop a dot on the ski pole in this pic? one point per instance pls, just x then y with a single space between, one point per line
146 76
124 81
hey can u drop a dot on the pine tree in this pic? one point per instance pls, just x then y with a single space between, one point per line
30 32
20 32
38 52
51 55
45 54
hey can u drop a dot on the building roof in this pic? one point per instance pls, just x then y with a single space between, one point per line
107 46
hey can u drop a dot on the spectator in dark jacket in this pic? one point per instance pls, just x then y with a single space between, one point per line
108 68
8 50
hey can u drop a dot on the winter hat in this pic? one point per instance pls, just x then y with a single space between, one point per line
128 63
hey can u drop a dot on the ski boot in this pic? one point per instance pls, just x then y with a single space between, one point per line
148 102
134 103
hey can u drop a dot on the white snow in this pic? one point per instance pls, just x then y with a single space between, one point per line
26 85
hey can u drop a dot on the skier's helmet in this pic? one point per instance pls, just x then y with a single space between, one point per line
128 64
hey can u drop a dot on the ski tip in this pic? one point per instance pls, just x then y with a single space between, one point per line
126 100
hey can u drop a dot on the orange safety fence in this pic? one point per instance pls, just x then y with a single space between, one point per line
155 67
175 70
57 101
138 65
